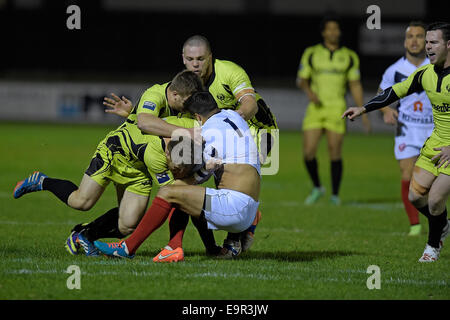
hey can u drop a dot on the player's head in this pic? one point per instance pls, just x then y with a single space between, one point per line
438 42
415 38
184 156
197 56
330 29
202 105
183 85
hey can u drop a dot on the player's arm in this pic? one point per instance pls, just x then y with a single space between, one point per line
381 100
248 105
304 75
303 84
356 90
151 124
390 95
390 115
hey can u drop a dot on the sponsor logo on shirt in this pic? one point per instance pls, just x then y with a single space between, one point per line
162 177
149 105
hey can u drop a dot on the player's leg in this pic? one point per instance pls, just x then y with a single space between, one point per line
86 195
311 139
334 142
187 198
437 200
406 170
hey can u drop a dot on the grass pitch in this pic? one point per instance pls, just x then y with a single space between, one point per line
300 252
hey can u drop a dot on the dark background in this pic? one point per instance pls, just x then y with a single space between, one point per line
133 44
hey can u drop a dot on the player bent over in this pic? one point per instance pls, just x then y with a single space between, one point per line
430 183
231 207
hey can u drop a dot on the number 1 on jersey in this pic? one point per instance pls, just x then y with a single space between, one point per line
234 126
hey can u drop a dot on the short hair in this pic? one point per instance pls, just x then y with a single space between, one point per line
443 26
196 41
186 83
417 23
185 161
328 18
202 103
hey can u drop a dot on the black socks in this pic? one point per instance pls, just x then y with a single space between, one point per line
336 175
60 188
105 226
311 167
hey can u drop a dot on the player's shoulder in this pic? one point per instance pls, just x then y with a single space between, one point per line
349 51
226 65
313 48
156 89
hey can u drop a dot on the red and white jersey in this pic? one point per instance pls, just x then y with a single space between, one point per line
415 109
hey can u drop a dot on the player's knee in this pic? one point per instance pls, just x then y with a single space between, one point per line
436 204
125 229
166 193
417 193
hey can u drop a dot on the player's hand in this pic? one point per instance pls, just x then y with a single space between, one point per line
121 107
241 113
390 116
443 157
213 164
353 112
314 99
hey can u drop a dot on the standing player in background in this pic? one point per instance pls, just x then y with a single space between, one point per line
430 183
413 117
325 70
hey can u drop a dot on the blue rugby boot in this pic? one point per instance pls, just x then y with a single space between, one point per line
114 249
88 246
31 184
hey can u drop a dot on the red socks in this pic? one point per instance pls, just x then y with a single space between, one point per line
155 216
411 211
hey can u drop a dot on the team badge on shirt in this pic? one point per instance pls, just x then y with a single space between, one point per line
162 177
149 105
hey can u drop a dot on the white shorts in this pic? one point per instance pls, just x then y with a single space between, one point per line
410 140
229 210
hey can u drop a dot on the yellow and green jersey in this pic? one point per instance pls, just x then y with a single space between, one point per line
329 72
226 81
154 101
150 149
435 82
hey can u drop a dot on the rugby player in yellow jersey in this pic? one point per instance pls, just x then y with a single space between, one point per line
325 70
113 161
232 89
430 183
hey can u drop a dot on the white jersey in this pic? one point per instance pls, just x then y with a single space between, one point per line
415 109
228 138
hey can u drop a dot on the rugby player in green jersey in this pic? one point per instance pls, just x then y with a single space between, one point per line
120 158
324 73
430 183
232 89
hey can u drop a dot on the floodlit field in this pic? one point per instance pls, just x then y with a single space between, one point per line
300 252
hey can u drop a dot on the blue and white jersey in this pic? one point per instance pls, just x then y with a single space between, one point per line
228 138
415 109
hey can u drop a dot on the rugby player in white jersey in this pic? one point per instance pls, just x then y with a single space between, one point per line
233 205
413 115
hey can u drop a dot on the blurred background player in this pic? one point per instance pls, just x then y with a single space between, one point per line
325 70
413 115
430 184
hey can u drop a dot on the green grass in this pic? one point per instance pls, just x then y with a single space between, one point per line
316 252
